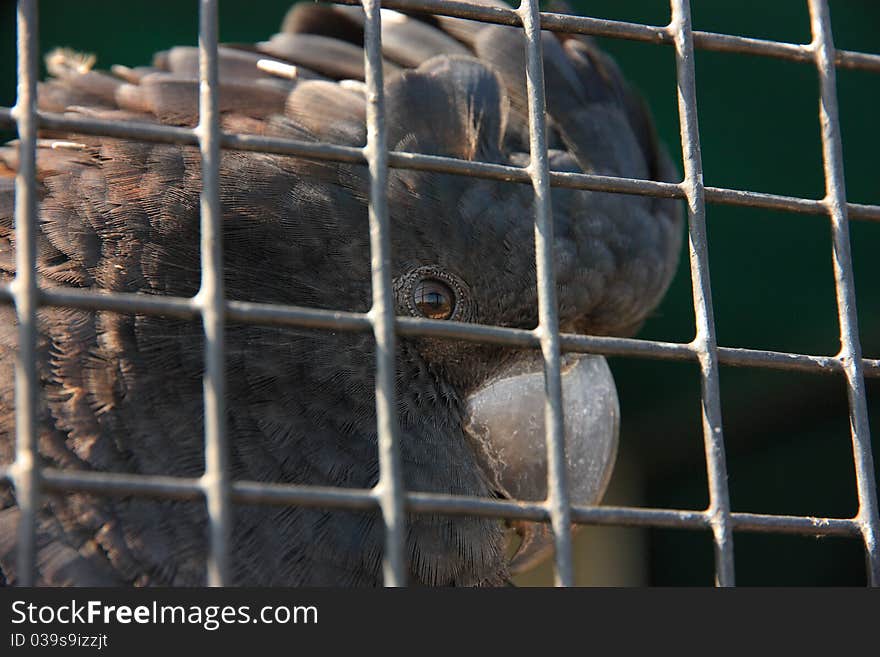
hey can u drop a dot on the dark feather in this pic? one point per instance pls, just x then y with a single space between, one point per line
123 393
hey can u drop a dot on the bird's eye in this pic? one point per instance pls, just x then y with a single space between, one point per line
433 299
433 292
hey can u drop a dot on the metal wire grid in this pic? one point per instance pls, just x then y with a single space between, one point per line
30 480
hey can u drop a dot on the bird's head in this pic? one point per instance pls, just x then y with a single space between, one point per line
463 250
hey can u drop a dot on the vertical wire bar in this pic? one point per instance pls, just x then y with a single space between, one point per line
844 284
390 486
215 481
548 316
704 341
24 290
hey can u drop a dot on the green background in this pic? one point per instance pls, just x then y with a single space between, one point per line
787 434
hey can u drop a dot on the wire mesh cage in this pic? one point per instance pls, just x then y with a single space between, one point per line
217 489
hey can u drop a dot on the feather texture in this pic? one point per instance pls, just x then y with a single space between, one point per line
122 393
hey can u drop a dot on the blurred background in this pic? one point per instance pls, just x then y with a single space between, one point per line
787 434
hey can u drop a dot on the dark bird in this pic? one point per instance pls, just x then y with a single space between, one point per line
123 393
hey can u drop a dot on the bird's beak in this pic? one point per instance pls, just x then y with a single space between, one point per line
505 421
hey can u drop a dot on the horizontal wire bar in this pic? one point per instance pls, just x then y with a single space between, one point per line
633 31
325 151
435 163
299 317
273 494
803 525
742 198
740 357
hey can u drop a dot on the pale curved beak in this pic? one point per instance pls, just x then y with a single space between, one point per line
505 421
